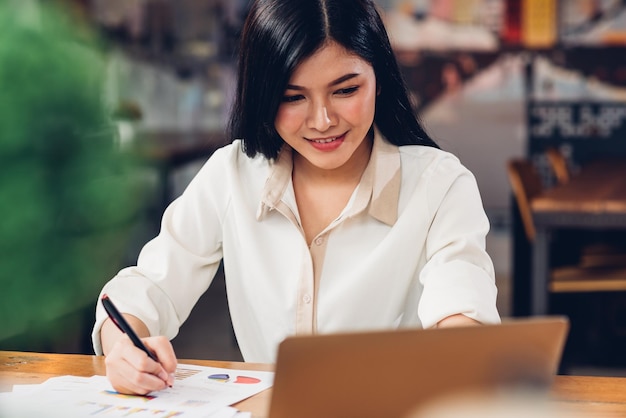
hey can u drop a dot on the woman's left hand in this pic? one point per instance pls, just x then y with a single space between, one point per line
458 320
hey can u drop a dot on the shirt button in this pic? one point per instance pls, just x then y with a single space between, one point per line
306 298
319 241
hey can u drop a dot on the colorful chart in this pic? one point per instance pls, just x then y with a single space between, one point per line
224 378
182 373
97 409
220 377
145 398
247 380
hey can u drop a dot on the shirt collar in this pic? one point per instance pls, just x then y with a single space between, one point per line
379 188
277 181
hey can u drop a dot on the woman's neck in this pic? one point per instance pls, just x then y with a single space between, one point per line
321 195
350 172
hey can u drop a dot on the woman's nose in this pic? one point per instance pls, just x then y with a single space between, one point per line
320 117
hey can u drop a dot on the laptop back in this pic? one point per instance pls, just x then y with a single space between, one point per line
389 373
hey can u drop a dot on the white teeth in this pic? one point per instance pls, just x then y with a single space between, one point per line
324 141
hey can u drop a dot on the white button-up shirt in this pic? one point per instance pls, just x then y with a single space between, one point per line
408 250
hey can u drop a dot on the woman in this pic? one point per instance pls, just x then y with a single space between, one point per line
334 211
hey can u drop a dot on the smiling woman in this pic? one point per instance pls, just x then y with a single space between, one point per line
332 211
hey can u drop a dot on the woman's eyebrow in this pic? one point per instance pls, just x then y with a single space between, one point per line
332 83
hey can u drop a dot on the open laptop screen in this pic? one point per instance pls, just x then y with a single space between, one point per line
389 373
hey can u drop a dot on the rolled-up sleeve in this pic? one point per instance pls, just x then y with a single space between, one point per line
458 276
175 268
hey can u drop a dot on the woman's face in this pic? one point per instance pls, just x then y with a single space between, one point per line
328 109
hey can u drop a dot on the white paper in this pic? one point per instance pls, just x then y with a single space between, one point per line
198 391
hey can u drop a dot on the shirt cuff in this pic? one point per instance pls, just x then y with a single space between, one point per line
458 288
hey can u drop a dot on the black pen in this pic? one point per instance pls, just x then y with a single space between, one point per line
121 323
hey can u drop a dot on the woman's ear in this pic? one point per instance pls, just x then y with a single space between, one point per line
378 90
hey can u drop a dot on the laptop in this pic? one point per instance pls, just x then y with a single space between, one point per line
390 373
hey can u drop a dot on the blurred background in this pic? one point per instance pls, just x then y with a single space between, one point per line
109 108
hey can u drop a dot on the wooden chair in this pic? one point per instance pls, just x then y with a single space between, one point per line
558 165
597 275
526 185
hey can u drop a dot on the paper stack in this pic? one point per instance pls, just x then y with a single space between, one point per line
206 392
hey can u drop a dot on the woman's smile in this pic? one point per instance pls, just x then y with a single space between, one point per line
328 109
328 143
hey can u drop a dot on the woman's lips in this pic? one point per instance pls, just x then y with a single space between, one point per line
328 143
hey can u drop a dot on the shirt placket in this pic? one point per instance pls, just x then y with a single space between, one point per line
305 308
305 298
317 251
313 260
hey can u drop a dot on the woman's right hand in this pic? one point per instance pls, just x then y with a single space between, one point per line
132 371
129 369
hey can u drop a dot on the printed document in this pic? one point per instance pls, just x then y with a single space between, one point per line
198 391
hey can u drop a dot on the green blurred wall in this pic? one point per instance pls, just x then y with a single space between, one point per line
66 194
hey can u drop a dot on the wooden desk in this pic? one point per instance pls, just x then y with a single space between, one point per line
595 198
21 368
600 396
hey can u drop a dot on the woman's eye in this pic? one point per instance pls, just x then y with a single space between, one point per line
292 99
347 90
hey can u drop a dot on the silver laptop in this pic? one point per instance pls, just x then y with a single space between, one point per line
390 373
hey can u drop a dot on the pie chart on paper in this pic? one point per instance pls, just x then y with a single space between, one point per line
219 377
247 380
225 378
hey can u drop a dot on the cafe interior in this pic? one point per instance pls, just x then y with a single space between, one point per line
530 95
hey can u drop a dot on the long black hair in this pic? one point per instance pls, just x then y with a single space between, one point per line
279 34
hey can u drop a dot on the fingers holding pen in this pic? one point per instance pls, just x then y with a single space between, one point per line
164 352
131 371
